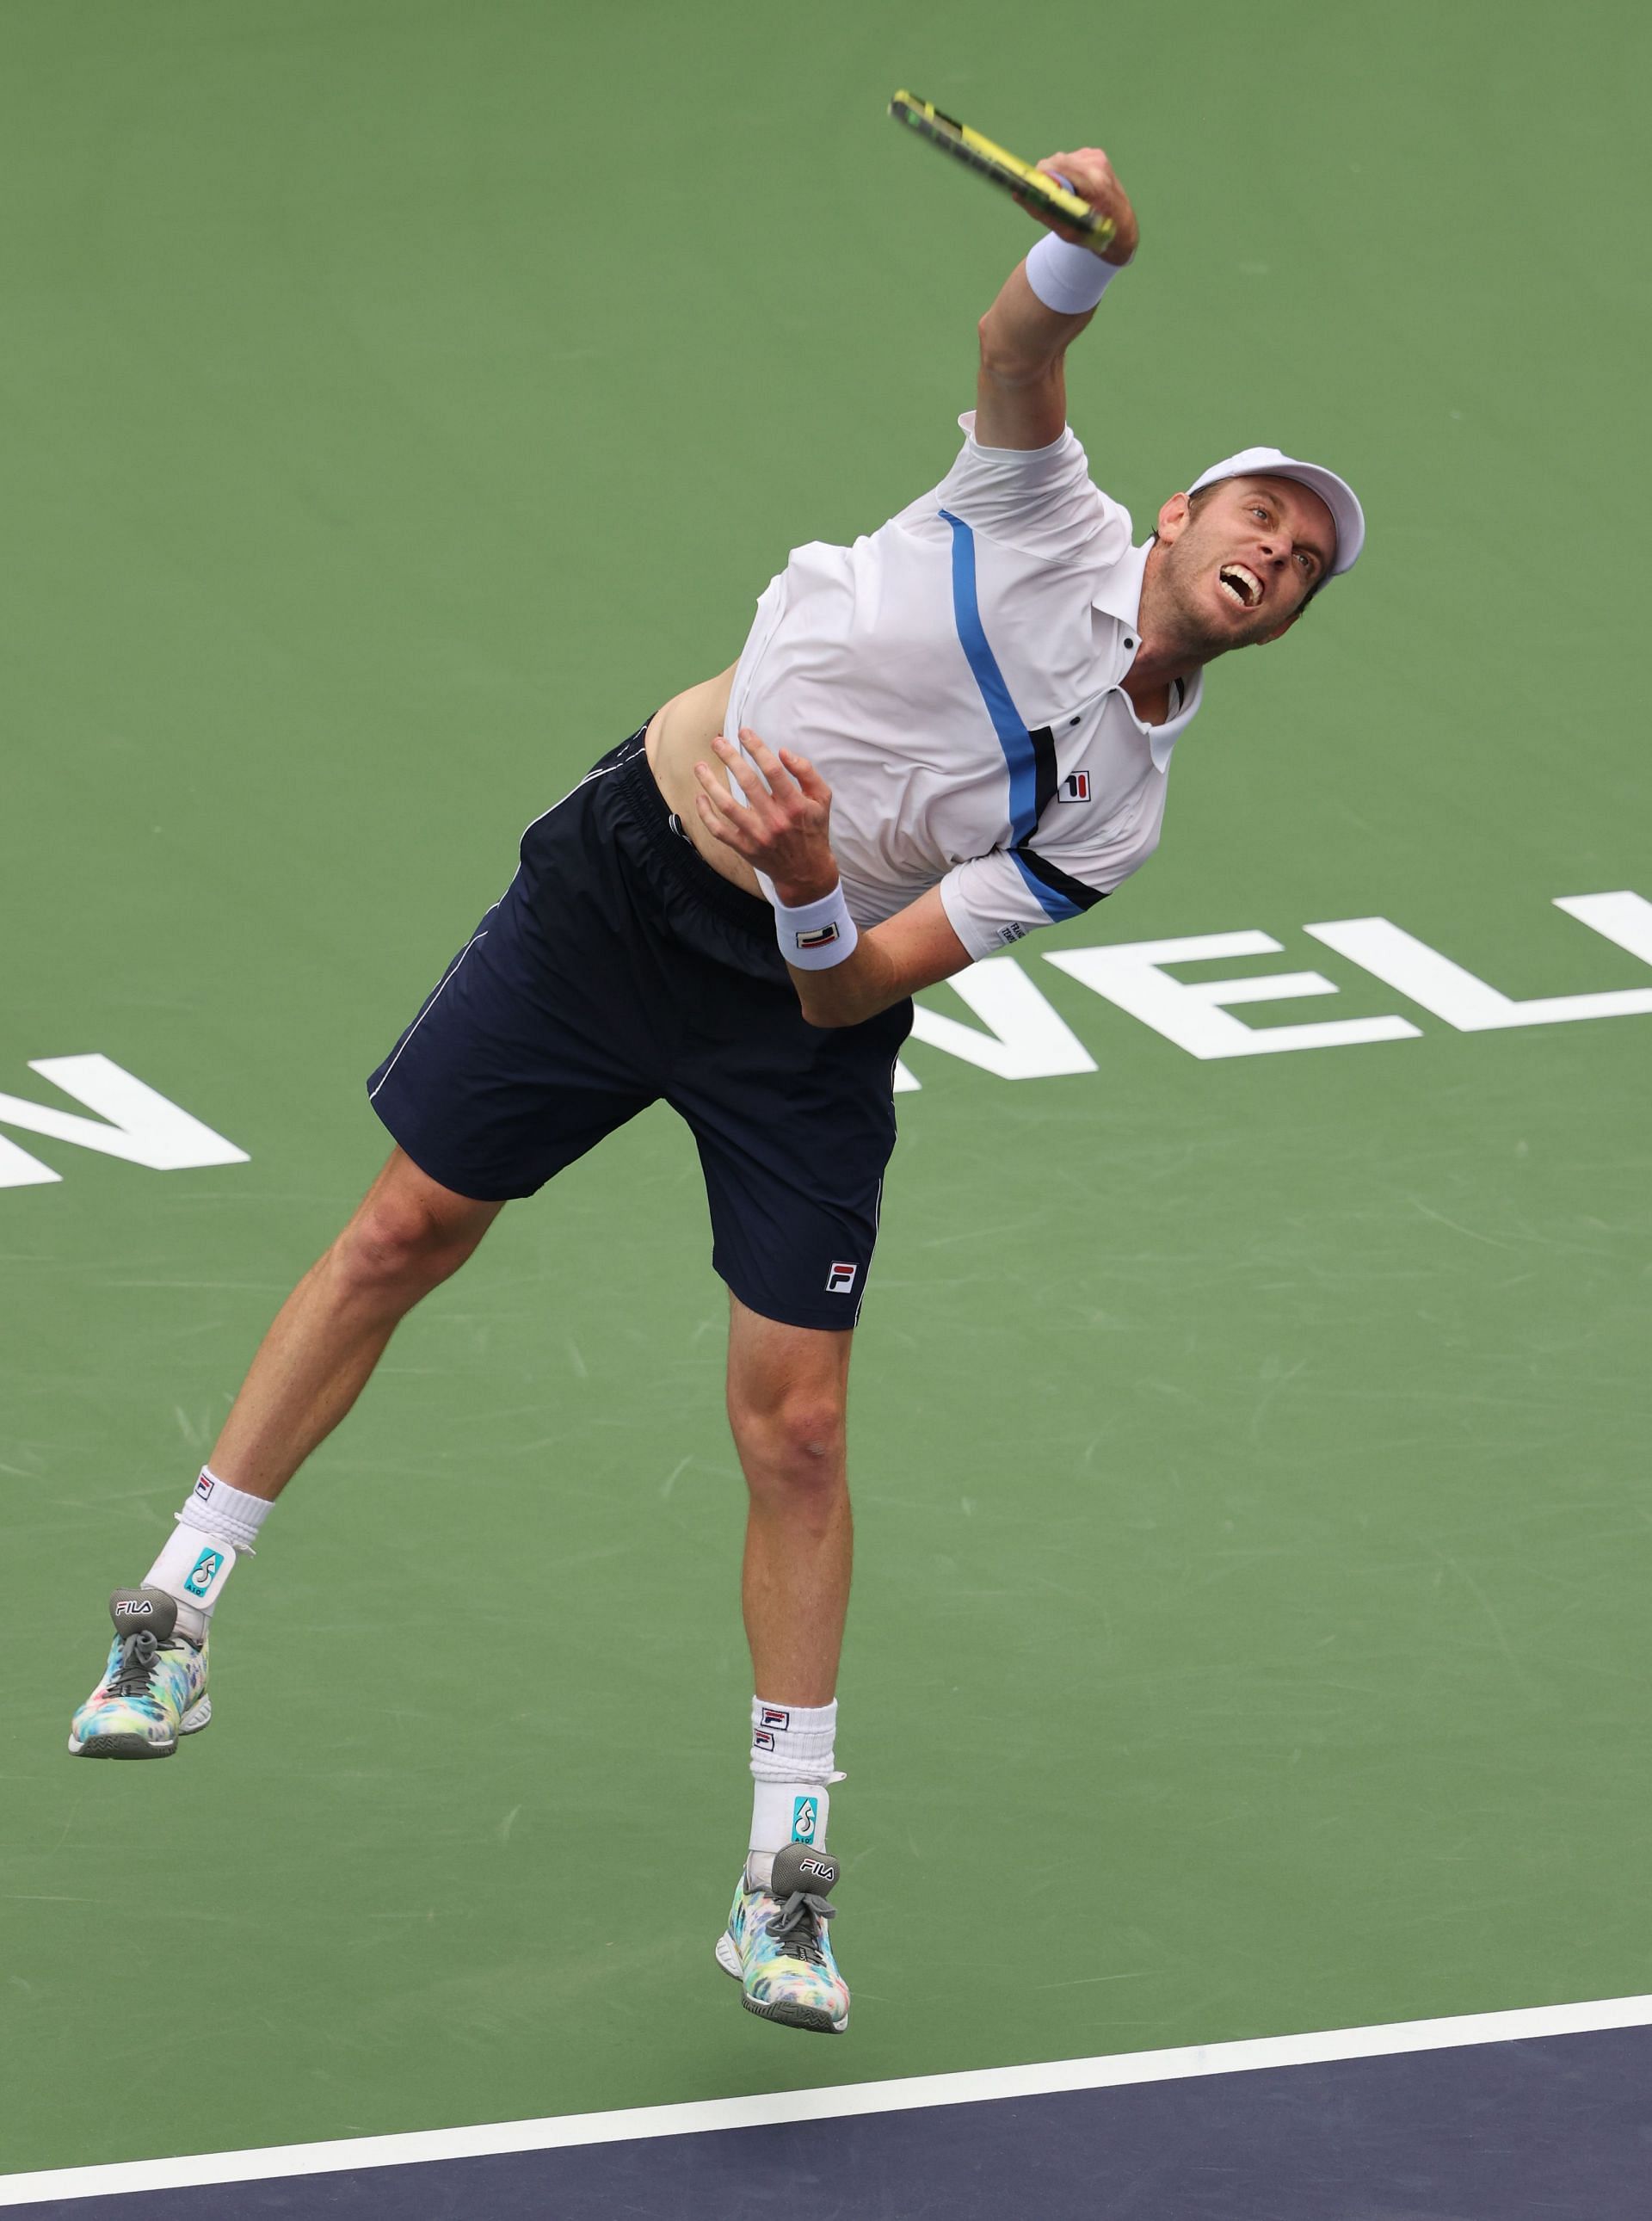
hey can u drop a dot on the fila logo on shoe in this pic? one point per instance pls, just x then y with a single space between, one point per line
821 1869
1075 787
840 1281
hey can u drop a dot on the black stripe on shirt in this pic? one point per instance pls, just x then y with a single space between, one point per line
1043 748
1081 896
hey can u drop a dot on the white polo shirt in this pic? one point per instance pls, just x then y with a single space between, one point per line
956 677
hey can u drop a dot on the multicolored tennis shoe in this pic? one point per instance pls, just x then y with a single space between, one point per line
153 1689
777 1948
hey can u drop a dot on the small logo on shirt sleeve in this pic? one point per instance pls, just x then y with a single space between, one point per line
840 1281
1075 787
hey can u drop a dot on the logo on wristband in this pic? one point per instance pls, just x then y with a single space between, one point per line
818 937
841 1280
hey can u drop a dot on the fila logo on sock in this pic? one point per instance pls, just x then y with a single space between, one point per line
1075 787
761 1739
804 1814
203 1573
840 1281
203 1487
774 1717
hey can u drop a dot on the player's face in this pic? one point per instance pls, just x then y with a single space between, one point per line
1236 569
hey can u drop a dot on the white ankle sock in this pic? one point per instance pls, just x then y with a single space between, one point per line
791 1774
230 1513
216 1525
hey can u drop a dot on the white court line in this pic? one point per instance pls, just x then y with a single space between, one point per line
840 2102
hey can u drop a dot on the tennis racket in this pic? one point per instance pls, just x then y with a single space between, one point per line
1007 171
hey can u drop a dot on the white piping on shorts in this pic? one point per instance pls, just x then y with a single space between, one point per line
599 772
877 1227
481 932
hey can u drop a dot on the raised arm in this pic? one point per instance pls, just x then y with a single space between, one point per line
1020 392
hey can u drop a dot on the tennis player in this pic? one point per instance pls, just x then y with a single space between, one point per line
954 731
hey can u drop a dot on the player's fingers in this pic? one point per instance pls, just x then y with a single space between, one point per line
714 792
747 776
719 816
763 756
744 774
708 816
806 776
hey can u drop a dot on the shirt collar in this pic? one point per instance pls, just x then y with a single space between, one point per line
1117 594
1118 589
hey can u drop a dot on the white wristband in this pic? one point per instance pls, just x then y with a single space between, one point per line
817 935
1068 278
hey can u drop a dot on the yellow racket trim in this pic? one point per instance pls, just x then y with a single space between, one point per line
989 160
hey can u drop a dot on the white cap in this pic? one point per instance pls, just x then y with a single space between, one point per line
1337 495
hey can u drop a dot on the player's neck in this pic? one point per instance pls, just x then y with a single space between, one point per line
1158 665
1165 655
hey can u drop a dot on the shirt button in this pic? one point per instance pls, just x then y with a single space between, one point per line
1129 642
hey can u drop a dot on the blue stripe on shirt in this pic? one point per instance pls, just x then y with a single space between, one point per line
1054 901
1008 723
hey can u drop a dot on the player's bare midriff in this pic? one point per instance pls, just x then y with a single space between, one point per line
678 737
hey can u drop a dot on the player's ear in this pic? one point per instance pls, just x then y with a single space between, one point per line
1173 515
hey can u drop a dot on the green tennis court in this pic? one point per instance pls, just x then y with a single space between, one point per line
1249 1633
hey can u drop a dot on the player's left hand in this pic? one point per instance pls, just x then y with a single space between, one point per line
782 826
1092 178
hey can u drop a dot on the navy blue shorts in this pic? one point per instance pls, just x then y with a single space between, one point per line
618 970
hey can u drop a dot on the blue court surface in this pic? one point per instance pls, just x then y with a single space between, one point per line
1497 2116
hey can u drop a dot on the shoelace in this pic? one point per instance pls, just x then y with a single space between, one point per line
800 1924
138 1653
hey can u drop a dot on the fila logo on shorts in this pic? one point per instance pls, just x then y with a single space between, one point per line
1075 787
840 1281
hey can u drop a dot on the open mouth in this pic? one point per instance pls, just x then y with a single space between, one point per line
1241 585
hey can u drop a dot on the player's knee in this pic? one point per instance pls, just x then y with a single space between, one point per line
398 1245
795 1443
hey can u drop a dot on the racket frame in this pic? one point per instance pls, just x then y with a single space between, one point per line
1007 171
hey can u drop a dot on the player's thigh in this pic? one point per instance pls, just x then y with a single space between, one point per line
537 1041
794 1125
